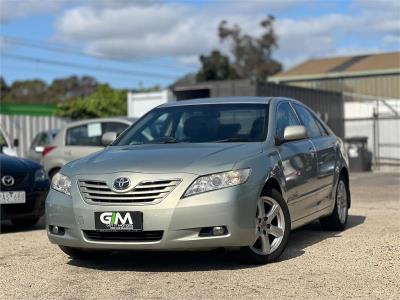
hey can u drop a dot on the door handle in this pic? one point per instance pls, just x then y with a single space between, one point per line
68 152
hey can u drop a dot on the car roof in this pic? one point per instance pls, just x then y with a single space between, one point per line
125 120
220 100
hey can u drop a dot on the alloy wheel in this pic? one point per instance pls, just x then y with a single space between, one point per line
341 199
270 226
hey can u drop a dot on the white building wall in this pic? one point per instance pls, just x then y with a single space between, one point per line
140 103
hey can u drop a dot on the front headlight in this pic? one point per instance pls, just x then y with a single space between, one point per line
41 175
61 183
217 181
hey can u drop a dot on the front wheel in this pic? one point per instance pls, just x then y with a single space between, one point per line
272 229
338 219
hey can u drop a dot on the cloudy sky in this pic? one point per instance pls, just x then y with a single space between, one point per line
126 42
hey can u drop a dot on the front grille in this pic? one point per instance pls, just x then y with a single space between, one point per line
145 191
140 236
20 182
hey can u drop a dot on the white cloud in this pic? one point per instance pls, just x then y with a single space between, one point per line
12 9
131 29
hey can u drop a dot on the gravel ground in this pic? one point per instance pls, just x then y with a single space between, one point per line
361 262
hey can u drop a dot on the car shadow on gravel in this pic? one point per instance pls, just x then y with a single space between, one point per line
8 227
219 259
312 234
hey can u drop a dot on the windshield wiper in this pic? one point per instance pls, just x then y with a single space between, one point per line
165 140
233 139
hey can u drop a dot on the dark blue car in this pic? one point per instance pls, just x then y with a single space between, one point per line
23 189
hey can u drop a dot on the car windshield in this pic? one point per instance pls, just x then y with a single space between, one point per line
216 123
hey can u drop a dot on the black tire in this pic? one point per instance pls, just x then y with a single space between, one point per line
248 255
25 222
53 172
334 222
77 253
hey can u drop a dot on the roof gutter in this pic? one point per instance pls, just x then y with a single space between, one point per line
278 79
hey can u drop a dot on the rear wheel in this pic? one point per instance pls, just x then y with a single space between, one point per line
338 219
78 253
272 229
25 222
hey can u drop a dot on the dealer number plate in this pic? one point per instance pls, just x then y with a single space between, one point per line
119 221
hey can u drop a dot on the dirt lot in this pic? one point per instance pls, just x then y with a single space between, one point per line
361 262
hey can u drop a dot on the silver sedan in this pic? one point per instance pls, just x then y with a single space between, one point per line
238 173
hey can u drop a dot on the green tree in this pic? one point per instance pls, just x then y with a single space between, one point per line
71 88
37 91
4 88
252 55
216 66
103 102
26 91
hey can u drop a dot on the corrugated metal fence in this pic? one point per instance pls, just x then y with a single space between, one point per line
25 128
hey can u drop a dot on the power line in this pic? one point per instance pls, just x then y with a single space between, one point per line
86 67
57 48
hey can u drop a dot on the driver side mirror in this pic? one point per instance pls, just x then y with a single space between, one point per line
295 133
108 137
292 133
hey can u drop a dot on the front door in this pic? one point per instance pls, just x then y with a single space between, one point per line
299 166
326 149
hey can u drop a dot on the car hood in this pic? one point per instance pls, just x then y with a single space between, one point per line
10 165
165 158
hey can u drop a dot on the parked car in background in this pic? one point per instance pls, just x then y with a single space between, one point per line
41 140
6 147
220 172
78 139
23 189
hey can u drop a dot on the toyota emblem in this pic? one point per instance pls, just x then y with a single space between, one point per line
122 183
7 180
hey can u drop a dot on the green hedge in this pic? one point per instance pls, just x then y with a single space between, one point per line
27 109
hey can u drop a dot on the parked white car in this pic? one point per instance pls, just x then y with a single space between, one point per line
41 140
6 147
78 139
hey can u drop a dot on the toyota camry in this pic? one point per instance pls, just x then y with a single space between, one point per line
237 173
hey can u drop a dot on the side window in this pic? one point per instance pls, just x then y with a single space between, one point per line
308 121
85 135
321 127
115 127
285 116
44 140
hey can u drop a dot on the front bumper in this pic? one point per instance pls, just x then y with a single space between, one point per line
33 207
179 219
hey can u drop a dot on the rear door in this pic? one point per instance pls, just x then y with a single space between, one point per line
326 149
299 165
